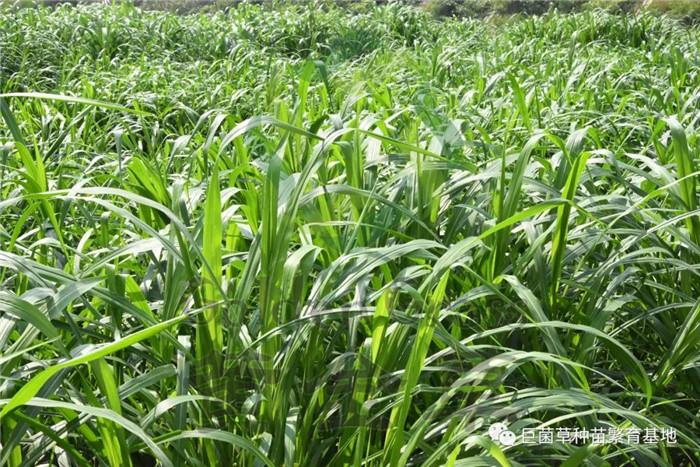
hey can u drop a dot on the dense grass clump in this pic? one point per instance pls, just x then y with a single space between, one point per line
322 236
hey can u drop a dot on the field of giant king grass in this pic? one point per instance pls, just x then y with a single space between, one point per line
316 236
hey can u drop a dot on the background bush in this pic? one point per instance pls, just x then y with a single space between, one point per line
686 10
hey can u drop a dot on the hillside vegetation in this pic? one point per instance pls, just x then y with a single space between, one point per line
686 10
333 237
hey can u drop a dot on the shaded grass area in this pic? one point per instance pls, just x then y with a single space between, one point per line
497 10
334 237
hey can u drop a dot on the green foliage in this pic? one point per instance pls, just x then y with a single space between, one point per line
484 8
316 235
686 10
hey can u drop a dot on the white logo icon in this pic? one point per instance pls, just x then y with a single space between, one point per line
500 433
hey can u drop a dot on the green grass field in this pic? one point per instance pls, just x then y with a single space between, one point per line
323 237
